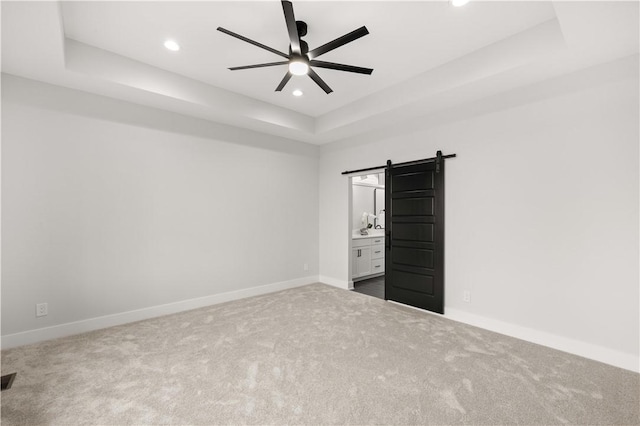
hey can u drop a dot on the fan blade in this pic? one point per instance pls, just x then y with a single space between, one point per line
287 7
340 41
340 67
255 43
320 82
270 64
284 81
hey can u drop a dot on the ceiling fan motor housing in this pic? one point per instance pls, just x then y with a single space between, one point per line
304 49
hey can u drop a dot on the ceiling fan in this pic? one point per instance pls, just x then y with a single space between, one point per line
300 59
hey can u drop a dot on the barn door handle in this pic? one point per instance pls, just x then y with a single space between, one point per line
387 239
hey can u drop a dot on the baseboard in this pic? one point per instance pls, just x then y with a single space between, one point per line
587 350
576 347
62 330
368 277
336 282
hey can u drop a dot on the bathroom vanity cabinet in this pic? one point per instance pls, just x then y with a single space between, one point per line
367 256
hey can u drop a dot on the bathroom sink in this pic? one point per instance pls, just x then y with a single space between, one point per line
372 233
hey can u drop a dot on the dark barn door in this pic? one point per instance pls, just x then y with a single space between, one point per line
414 261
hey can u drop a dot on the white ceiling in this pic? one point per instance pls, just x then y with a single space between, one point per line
405 40
425 55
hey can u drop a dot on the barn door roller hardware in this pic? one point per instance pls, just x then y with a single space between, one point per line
437 159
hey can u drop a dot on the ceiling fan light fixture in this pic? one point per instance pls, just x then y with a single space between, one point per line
172 45
298 67
459 3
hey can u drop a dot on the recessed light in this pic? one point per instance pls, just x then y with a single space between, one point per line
458 3
172 45
297 92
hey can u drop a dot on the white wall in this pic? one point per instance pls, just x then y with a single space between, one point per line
110 207
541 208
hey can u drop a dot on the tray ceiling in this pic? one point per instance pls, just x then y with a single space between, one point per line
420 52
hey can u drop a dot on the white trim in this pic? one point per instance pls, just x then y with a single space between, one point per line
345 285
370 185
565 344
366 172
56 331
366 277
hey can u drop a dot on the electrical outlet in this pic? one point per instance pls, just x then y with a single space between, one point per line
306 266
466 296
41 309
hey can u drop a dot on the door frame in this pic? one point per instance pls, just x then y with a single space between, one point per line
350 285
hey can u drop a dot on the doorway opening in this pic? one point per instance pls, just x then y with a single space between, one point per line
367 219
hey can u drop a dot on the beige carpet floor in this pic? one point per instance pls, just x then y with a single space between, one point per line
310 355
